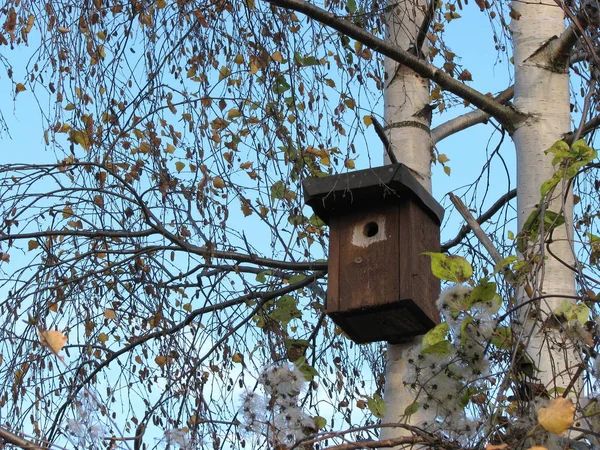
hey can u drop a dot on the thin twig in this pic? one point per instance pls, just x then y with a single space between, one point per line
386 143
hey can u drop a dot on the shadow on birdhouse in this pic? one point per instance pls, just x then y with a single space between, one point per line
381 220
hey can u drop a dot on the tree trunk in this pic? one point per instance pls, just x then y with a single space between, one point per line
542 93
406 97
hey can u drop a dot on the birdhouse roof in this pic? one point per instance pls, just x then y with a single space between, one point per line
337 195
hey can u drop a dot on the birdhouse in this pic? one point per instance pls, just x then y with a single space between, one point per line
381 220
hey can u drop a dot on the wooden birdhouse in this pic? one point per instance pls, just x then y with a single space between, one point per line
381 220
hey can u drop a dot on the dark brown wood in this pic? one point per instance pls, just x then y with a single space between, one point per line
380 286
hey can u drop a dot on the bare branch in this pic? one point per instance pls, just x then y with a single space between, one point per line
386 143
11 438
469 119
386 443
507 116
261 296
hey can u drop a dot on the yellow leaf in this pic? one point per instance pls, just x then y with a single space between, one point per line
277 56
20 88
443 158
170 149
447 170
160 4
81 138
224 72
63 30
246 209
233 113
161 360
52 339
32 244
67 211
103 337
349 164
110 313
237 358
496 447
52 306
558 416
218 183
179 166
368 120
246 165
349 102
239 59
70 107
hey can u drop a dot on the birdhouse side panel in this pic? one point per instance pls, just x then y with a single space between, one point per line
333 266
418 233
367 261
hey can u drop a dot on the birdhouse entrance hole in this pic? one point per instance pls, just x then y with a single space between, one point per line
371 229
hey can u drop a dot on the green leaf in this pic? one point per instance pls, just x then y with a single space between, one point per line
502 338
351 5
571 311
377 406
463 329
484 291
439 348
451 268
297 278
316 221
306 369
435 335
277 190
320 422
412 408
505 262
285 310
261 277
310 61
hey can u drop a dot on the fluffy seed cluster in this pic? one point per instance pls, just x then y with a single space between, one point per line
446 382
275 413
86 429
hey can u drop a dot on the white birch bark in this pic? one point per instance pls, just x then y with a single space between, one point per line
543 94
406 94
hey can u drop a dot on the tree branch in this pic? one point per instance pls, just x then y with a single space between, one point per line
11 438
507 116
469 119
386 142
386 443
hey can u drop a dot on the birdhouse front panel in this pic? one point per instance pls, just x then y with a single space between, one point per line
377 288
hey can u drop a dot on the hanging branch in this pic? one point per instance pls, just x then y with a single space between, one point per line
507 116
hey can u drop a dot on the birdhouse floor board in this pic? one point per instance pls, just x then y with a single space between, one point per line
392 323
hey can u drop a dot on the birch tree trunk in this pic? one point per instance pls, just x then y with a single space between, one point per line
406 95
542 93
